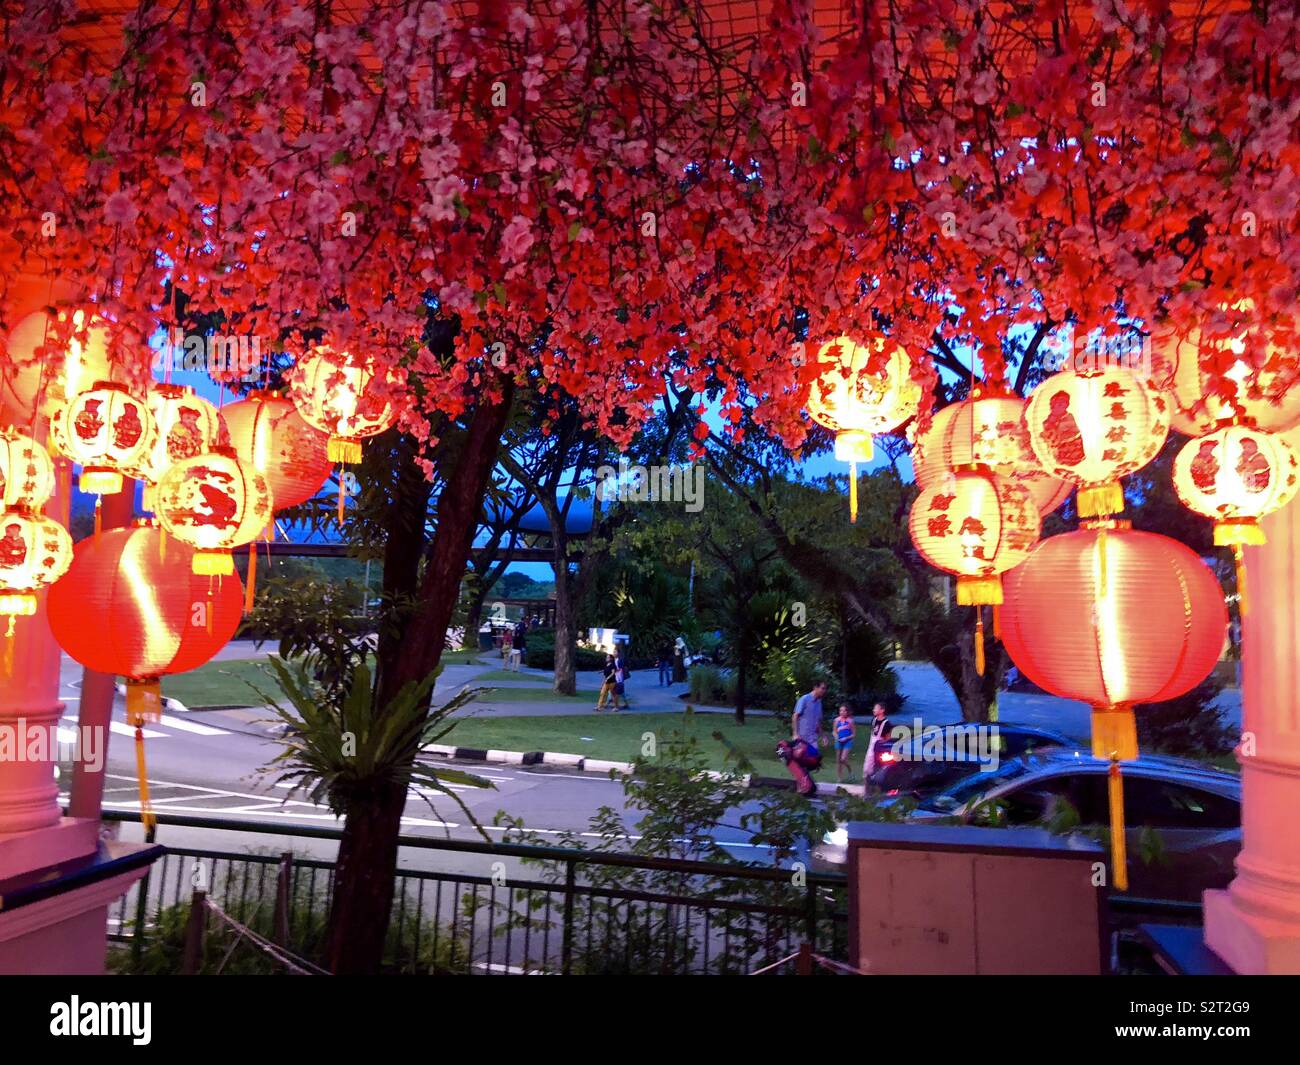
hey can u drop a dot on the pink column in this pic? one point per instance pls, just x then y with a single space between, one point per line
1254 926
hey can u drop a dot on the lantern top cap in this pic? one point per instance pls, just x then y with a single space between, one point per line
109 386
1120 524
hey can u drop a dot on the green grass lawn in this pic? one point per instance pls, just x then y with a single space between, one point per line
619 737
506 674
222 684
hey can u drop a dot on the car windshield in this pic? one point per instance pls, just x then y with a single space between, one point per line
964 790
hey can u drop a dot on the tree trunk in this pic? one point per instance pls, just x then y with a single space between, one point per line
566 636
473 621
742 687
367 862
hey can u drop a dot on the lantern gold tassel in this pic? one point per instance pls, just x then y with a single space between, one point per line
997 621
1101 500
8 664
147 817
853 493
250 588
99 515
979 640
343 496
1239 558
1118 845
1237 534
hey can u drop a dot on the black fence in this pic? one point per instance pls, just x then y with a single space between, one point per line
504 908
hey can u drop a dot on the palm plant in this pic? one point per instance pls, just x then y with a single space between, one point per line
345 750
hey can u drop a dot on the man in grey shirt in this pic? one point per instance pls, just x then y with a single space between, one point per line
806 723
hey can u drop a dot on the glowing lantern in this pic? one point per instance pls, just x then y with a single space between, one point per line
187 425
334 392
976 525
35 551
987 430
1093 428
43 385
213 502
108 431
855 404
1236 475
267 431
26 472
129 609
1262 387
1114 617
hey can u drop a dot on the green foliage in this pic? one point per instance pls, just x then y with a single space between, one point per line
787 675
347 753
711 686
1189 726
541 652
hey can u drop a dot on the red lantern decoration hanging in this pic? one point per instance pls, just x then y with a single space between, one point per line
26 471
267 431
129 609
1114 617
35 551
855 403
186 425
1241 376
988 430
42 385
214 502
1236 475
108 431
1093 428
335 391
976 525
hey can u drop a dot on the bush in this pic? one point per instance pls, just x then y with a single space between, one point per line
786 676
710 686
1190 726
541 653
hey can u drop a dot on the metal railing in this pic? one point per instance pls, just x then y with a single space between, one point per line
557 911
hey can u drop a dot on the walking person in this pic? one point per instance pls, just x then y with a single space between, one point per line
679 660
607 683
880 728
665 663
621 673
521 641
845 729
508 648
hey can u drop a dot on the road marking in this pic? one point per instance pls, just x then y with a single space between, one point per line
191 726
123 729
287 815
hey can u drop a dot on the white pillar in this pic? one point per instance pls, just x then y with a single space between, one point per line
1254 926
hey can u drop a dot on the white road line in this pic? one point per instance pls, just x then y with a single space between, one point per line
121 728
191 726
287 815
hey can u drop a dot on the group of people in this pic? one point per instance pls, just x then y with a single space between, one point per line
614 682
514 644
802 754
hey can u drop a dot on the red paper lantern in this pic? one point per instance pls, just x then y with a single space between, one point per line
1112 617
267 431
44 384
855 403
987 429
976 525
108 431
1239 376
1093 428
128 608
186 424
26 471
35 551
334 391
214 502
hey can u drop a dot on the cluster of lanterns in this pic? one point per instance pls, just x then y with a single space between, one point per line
125 601
1107 615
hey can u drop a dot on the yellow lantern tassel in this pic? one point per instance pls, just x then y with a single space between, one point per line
853 493
250 588
147 817
1100 500
99 515
8 663
1101 559
1118 845
1239 556
997 621
979 640
342 494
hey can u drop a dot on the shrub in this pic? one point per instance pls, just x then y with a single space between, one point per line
711 687
541 653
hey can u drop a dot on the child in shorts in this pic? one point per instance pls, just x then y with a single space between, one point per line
845 729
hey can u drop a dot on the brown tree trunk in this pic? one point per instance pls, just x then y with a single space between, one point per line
367 862
566 636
